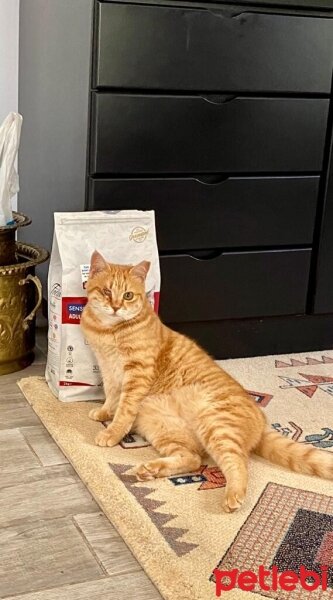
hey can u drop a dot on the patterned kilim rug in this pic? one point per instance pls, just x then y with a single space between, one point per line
176 527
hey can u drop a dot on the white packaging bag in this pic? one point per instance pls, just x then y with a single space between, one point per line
10 132
123 237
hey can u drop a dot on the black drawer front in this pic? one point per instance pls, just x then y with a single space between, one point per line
234 285
168 134
236 212
166 48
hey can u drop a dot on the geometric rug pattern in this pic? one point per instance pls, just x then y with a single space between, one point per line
308 360
141 493
287 528
176 527
294 362
309 384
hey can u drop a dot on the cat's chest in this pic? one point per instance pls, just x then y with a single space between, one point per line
111 365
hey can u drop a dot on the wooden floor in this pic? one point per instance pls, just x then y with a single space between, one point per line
55 543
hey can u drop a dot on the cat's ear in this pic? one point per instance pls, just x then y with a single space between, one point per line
140 271
97 263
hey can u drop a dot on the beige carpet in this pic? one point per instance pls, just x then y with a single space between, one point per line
175 526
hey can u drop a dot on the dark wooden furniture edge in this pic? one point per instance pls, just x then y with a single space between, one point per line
236 338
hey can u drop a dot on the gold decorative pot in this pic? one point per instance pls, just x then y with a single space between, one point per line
20 298
7 238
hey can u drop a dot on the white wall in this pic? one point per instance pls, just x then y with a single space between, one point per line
9 45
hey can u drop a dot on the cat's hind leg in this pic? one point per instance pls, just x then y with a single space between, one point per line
179 460
168 433
224 445
232 461
229 434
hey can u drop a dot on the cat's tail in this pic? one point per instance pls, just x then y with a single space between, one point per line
295 456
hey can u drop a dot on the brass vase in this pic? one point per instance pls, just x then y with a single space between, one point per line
7 238
20 298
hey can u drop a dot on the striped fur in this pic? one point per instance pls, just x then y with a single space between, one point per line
162 385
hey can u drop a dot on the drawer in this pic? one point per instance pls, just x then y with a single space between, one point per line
229 49
232 212
234 285
190 134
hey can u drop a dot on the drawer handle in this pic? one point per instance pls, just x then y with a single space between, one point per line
228 13
212 180
205 254
219 100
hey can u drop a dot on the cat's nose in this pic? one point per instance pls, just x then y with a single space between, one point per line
116 307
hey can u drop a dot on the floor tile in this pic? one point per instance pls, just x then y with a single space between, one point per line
15 411
43 445
15 453
106 543
121 587
45 492
44 553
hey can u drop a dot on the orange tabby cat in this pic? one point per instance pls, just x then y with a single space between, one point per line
165 387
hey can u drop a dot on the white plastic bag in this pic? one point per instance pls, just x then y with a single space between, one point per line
10 132
123 237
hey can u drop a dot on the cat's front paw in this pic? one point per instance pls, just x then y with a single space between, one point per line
99 414
106 438
233 499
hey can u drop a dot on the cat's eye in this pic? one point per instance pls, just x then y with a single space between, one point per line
107 292
128 296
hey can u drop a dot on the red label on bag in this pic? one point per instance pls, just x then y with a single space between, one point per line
156 301
72 309
68 383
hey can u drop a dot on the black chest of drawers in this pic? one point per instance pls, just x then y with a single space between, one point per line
218 116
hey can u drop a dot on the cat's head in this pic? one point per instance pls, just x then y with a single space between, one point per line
116 292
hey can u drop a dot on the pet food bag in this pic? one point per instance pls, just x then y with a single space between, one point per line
123 237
